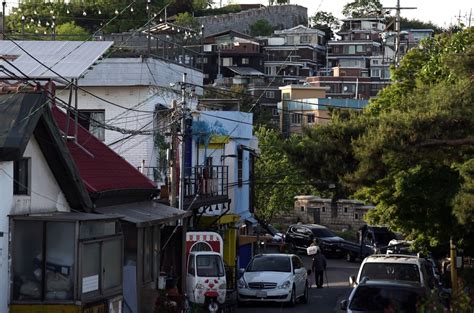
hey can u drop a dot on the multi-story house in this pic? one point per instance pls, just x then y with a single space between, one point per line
304 106
293 54
231 58
358 62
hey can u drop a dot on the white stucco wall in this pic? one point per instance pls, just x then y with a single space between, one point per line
135 83
45 195
6 200
238 125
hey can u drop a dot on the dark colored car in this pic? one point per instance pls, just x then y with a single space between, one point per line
379 296
301 236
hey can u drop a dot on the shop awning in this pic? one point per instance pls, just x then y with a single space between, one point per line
146 213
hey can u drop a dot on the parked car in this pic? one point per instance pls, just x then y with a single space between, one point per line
380 296
270 230
396 267
301 236
274 278
370 240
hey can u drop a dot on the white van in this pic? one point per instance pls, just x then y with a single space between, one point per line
396 267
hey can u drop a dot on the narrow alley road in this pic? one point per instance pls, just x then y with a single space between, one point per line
324 300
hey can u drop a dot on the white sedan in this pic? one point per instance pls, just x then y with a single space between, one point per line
274 278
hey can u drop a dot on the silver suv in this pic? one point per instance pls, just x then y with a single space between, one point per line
396 267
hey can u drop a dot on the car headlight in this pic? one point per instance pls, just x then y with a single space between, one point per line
242 283
199 286
285 285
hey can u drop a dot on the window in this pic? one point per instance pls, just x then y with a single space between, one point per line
360 48
345 210
296 118
270 94
351 49
240 156
310 118
302 209
323 210
375 62
50 262
245 61
21 177
305 39
356 216
93 121
275 112
375 73
191 266
209 266
226 61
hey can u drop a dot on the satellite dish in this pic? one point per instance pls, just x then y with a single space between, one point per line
345 88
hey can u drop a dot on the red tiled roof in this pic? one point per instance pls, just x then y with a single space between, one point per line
101 169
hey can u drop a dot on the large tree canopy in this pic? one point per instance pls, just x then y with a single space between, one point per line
362 8
411 151
277 181
326 22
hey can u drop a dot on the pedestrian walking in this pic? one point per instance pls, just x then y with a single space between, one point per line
318 267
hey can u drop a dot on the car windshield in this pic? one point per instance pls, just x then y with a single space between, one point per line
382 299
209 266
269 264
391 271
322 233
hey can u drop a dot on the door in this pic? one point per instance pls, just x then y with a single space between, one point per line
191 277
317 215
299 272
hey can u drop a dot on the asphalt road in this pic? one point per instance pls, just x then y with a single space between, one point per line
324 300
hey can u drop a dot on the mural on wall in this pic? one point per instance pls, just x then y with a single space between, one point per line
209 134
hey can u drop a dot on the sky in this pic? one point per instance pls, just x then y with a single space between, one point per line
441 12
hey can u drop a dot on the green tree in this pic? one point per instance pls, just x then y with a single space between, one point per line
362 8
326 22
277 180
186 19
410 152
414 158
90 15
417 24
261 28
70 31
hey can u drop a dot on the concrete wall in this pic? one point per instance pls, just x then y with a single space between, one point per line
45 193
280 16
350 213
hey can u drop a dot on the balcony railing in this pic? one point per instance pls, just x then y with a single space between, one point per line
206 181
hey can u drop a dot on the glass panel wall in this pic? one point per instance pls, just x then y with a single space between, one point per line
59 261
28 260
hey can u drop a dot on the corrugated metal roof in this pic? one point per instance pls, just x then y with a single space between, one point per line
70 59
245 71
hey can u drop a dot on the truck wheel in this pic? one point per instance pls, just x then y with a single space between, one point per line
350 257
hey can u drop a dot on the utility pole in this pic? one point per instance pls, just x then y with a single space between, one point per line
148 10
4 4
454 275
397 29
183 143
172 161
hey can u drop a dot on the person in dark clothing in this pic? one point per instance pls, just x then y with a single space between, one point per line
318 267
